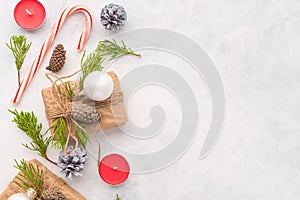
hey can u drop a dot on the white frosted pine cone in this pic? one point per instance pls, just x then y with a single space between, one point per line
113 16
74 164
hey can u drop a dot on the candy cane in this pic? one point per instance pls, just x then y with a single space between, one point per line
47 44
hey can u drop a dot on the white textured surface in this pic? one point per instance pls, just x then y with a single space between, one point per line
254 45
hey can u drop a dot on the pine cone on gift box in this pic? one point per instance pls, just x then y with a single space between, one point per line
58 59
52 195
74 164
113 16
85 114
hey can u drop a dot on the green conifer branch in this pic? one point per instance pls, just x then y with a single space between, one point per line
31 177
27 122
59 131
118 198
91 62
113 50
19 47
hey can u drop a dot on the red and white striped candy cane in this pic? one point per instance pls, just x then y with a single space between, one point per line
48 42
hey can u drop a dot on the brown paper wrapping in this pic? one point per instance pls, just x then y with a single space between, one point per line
112 110
51 182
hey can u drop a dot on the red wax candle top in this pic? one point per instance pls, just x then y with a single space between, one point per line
29 14
114 169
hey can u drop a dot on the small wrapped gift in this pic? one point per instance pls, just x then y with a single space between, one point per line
51 182
112 110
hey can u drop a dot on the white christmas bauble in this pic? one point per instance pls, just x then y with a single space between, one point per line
98 86
19 196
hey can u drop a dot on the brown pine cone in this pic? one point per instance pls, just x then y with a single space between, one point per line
58 59
52 195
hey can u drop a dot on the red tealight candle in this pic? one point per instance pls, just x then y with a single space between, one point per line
29 14
114 169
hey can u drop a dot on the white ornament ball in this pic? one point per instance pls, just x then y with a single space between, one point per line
19 196
98 86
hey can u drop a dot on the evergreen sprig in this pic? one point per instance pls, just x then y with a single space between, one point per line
106 48
81 134
113 50
19 47
31 177
59 129
69 93
28 122
91 62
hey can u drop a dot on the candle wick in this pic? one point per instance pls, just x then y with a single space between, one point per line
28 12
115 168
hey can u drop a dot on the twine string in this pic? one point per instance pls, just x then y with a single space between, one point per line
63 103
62 108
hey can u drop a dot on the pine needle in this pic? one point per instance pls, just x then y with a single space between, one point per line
113 50
31 177
19 47
27 122
59 130
90 63
82 136
69 93
106 48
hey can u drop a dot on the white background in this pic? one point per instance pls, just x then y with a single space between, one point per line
255 46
